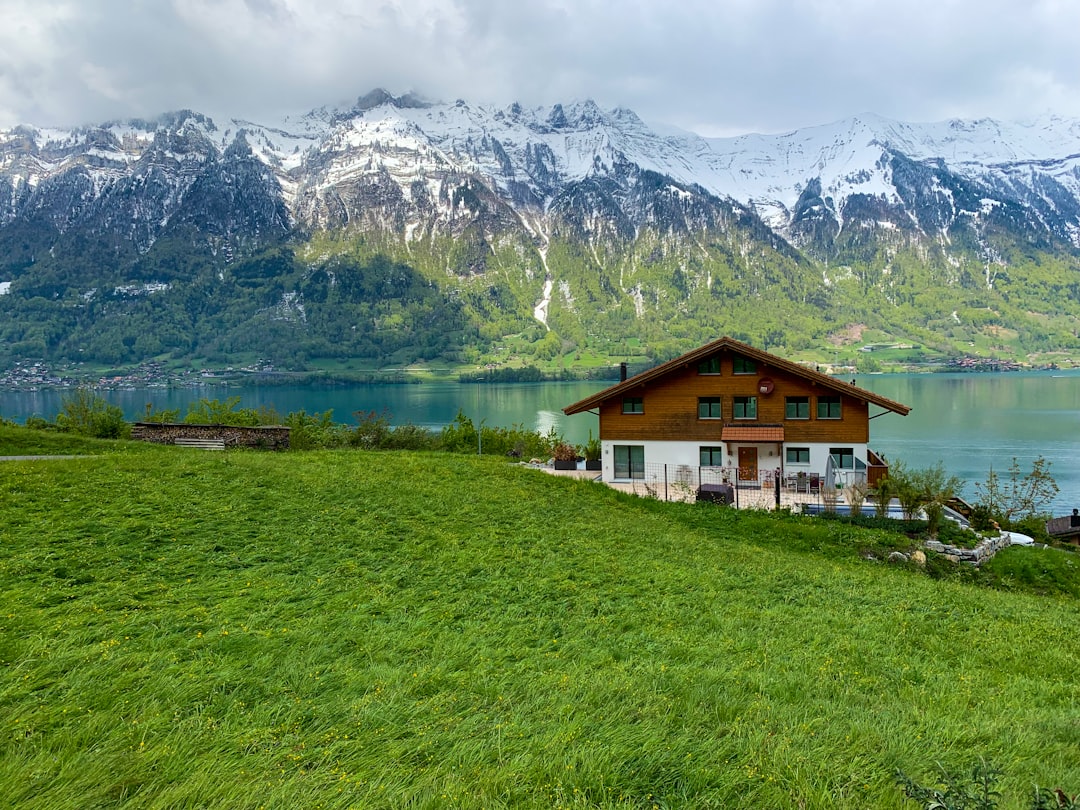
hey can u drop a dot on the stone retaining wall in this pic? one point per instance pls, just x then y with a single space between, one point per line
976 556
273 437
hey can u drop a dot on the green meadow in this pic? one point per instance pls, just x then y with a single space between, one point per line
346 629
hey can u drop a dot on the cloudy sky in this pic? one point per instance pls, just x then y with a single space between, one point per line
717 67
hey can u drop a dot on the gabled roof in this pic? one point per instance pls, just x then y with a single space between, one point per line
697 355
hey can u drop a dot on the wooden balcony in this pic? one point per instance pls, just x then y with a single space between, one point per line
876 468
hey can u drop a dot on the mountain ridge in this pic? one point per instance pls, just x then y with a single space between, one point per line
526 222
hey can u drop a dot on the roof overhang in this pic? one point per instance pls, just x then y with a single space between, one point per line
763 357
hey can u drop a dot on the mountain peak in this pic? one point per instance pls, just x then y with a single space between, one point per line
379 96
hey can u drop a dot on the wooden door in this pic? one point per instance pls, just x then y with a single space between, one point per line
748 464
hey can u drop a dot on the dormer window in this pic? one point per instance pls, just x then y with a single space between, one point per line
710 366
744 366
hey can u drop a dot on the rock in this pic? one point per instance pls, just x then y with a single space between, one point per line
919 557
953 558
898 557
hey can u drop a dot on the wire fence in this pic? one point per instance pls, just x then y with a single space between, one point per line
745 488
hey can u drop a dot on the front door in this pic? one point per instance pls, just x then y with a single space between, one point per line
748 464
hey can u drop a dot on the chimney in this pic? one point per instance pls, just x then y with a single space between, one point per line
622 372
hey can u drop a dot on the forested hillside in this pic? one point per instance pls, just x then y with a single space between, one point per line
403 231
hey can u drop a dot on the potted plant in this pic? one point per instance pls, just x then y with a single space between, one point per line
591 451
565 456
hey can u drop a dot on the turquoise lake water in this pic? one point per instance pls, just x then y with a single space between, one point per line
970 422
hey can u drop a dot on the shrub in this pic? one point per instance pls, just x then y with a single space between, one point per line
956 791
460 436
160 417
976 791
591 449
88 414
564 452
216 412
317 430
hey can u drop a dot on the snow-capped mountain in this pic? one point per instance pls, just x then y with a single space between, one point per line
570 211
401 152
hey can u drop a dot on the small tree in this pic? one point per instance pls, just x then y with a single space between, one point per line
883 494
935 489
855 493
906 489
1018 495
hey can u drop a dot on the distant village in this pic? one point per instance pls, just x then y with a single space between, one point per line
35 376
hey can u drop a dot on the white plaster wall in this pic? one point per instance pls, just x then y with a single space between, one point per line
688 453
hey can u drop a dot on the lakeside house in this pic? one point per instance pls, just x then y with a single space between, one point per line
728 412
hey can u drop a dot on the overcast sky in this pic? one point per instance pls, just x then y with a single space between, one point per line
717 67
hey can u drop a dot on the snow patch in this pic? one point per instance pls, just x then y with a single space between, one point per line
540 311
564 290
149 288
291 308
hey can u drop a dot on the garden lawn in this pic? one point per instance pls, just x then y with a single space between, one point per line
386 630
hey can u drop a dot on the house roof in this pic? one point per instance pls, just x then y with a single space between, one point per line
1063 526
763 357
747 433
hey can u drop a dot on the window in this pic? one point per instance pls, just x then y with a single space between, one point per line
798 455
744 366
843 457
745 408
629 460
633 405
712 456
797 408
709 408
828 407
710 366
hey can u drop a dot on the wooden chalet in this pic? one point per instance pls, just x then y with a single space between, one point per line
742 414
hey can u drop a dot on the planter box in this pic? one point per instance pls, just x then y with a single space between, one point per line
565 465
595 464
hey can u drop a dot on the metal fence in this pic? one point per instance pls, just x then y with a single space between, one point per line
755 489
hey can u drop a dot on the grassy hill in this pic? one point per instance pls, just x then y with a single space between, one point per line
358 630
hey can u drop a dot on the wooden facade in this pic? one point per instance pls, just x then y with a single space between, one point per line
730 393
670 407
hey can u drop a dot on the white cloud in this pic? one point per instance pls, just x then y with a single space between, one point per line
712 66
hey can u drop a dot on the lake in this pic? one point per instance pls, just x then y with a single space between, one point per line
970 422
